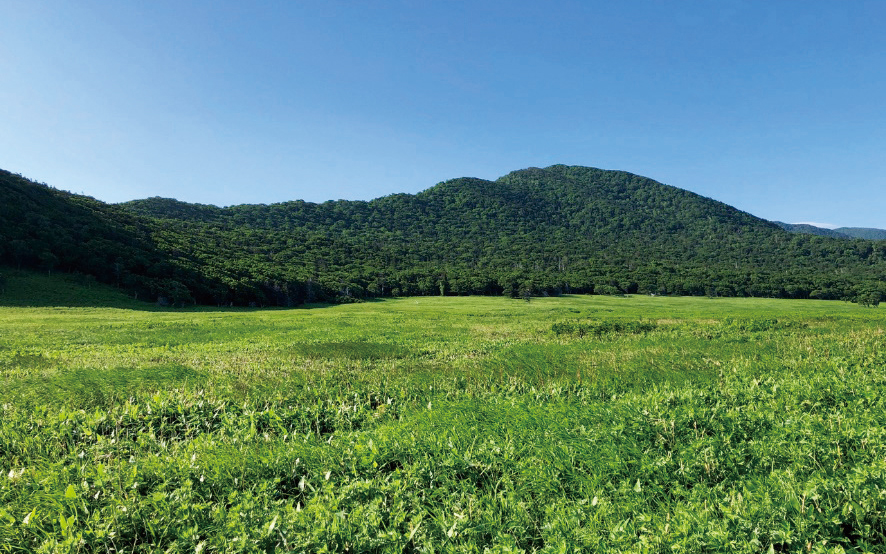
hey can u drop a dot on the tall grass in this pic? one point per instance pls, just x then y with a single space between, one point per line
445 425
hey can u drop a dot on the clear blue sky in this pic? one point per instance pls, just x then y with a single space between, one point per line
775 107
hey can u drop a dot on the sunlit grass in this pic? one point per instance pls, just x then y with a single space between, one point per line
445 424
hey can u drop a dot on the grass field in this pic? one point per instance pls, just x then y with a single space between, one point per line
572 424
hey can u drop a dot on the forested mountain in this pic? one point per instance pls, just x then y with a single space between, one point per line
534 231
807 229
48 229
866 233
52 230
863 233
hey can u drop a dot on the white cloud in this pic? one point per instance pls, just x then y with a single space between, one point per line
822 225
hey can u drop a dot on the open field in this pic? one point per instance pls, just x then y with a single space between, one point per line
476 424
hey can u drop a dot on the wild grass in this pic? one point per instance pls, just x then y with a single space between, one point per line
445 425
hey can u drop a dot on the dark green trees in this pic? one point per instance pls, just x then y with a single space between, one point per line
548 231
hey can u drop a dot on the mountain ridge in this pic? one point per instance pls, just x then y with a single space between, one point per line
808 229
532 231
161 207
866 233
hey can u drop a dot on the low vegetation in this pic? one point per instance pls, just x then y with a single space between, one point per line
572 424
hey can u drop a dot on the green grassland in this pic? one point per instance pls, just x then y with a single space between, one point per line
474 424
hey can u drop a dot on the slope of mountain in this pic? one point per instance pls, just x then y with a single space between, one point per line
31 288
863 233
41 227
51 230
170 208
542 231
805 228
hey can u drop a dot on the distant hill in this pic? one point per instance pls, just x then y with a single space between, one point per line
840 232
171 208
863 233
805 228
534 231
50 230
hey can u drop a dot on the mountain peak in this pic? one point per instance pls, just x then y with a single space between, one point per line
546 230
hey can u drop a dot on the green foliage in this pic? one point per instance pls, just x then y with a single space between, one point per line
604 327
871 294
869 299
757 325
445 424
608 290
350 350
31 288
92 387
534 232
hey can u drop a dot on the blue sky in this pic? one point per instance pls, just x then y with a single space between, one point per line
775 107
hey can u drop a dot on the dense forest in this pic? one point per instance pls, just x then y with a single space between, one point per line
536 231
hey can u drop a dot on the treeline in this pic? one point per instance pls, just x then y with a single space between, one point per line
533 232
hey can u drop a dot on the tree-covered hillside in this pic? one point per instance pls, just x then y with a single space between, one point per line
52 230
44 228
534 231
863 232
866 233
807 229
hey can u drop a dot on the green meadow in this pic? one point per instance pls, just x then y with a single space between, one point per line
444 424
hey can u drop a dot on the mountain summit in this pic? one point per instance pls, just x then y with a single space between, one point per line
532 231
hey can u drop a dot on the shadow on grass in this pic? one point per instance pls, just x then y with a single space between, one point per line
89 387
31 289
